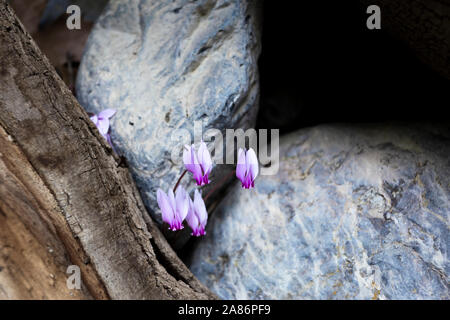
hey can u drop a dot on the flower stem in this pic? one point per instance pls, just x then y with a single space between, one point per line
225 179
179 180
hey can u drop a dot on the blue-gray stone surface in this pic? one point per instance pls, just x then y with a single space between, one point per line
354 213
163 65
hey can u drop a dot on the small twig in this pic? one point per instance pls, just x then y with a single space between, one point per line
179 180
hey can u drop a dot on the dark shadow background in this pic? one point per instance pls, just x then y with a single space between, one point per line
320 64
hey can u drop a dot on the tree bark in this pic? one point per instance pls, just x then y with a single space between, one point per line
65 197
424 25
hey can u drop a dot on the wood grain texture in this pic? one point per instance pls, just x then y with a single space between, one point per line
71 190
33 260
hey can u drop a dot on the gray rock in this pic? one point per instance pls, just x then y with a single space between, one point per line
354 213
164 65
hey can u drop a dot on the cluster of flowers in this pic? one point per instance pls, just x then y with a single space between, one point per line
179 206
176 205
101 121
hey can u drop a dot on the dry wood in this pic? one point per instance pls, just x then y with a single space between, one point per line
64 197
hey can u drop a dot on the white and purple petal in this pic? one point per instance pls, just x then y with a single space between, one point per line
197 216
191 218
191 164
182 203
94 119
165 206
204 158
188 159
241 165
247 168
200 208
252 162
106 114
103 126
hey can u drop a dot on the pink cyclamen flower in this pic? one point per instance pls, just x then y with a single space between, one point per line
199 164
247 168
102 123
174 208
197 215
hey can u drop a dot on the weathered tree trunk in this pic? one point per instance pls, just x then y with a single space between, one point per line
64 197
424 25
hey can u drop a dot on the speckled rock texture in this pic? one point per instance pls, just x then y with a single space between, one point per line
354 213
164 65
